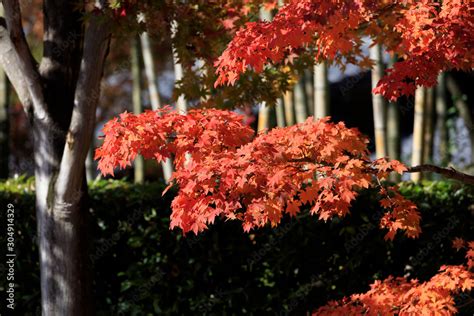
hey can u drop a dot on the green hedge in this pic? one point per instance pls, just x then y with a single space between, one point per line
143 268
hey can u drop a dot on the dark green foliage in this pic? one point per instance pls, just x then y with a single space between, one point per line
143 268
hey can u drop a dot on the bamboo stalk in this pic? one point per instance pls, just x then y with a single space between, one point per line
321 90
418 131
463 109
378 104
393 136
289 108
284 108
301 111
429 126
150 71
309 81
264 110
181 103
393 129
441 117
167 165
280 113
139 164
263 117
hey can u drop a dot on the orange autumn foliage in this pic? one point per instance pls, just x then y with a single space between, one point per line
429 36
399 296
459 243
223 170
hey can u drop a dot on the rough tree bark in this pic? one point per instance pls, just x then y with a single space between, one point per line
4 122
60 98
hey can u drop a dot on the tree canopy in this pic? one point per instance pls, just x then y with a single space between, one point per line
428 36
224 170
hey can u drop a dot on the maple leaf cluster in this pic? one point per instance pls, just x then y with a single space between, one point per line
459 243
159 134
223 169
399 296
428 36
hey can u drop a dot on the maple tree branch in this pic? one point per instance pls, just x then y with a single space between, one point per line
19 64
467 303
10 62
13 23
447 172
450 173
96 48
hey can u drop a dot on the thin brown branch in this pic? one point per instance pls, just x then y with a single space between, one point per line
446 172
450 173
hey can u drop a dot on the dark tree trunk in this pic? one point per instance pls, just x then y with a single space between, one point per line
60 100
4 125
65 280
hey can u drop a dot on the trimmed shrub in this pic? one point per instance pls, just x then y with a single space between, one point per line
143 268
